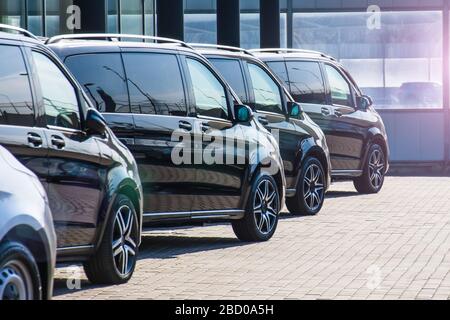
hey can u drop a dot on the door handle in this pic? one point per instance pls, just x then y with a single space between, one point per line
34 140
205 127
263 121
338 113
58 142
185 125
326 111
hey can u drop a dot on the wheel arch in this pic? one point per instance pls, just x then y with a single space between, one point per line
120 184
253 174
320 155
376 138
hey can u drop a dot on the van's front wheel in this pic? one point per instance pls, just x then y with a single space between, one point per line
261 218
372 179
310 194
115 260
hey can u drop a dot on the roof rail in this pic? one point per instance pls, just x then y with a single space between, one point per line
289 50
220 47
21 31
114 37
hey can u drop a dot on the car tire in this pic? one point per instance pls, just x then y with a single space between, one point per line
372 179
261 217
19 273
115 259
310 193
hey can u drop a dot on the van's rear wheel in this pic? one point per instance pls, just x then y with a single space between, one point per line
310 193
261 218
115 260
372 179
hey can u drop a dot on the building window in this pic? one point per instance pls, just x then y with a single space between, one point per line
399 65
131 17
12 13
52 16
200 21
283 30
35 17
113 16
149 17
250 30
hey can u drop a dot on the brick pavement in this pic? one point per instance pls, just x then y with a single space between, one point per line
394 245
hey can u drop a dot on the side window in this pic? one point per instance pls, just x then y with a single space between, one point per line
60 99
279 68
340 89
210 95
155 84
232 72
306 82
103 79
266 90
16 103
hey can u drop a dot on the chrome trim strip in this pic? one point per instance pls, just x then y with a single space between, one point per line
74 248
194 214
344 173
64 129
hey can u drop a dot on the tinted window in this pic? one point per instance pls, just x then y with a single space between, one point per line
60 99
155 84
279 68
16 105
340 89
210 95
232 72
306 82
103 79
266 90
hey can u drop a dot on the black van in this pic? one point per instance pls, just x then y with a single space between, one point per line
355 132
152 94
302 143
91 178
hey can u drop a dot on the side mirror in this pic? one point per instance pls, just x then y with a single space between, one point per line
364 102
95 123
294 109
243 113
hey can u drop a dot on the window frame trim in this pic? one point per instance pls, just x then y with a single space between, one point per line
328 85
76 55
40 97
274 79
31 81
191 93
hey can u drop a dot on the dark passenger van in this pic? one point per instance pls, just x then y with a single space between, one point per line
355 132
302 143
151 92
90 177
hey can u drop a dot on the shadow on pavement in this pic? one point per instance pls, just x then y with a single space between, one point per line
341 194
171 246
156 246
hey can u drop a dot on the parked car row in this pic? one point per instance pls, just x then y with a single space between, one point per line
129 135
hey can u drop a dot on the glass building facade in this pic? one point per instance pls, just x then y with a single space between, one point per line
397 52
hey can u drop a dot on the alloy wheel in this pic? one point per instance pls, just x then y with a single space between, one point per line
123 245
376 168
266 206
313 187
15 282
